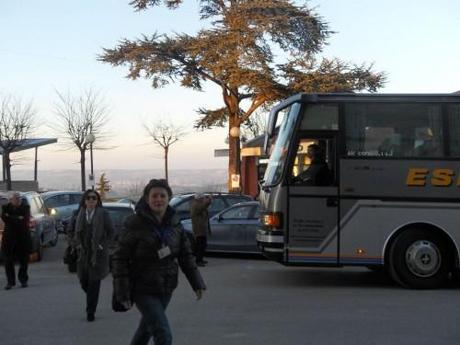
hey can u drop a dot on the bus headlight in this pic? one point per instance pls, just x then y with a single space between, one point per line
272 220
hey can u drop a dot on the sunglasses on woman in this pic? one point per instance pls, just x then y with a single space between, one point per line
91 197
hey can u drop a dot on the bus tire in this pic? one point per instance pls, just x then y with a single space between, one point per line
420 259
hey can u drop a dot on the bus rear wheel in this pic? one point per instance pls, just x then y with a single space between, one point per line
420 259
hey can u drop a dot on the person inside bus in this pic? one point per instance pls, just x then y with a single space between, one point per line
318 173
426 145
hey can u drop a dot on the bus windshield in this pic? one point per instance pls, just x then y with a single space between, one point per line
279 150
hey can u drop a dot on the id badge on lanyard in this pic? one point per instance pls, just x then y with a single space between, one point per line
164 251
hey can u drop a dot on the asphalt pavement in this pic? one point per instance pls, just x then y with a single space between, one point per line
249 301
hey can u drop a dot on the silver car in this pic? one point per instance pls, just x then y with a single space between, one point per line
233 229
220 201
42 226
61 205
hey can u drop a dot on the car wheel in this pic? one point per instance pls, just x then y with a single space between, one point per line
54 241
60 227
420 259
37 249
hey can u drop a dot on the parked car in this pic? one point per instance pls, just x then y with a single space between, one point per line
61 205
118 211
127 201
42 225
234 229
220 201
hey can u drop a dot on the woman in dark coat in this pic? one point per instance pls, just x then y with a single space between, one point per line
145 263
91 232
16 242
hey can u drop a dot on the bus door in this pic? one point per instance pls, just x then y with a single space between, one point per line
312 210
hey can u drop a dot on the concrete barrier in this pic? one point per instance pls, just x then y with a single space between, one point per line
21 186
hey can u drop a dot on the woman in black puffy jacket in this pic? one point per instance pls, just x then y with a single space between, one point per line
145 263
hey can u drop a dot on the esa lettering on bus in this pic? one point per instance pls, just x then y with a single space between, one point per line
437 177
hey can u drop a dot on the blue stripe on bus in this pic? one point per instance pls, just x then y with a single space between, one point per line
365 261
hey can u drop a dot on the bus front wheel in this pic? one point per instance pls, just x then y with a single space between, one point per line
420 259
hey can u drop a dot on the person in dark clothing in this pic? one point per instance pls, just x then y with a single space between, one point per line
200 225
91 232
318 173
16 242
145 263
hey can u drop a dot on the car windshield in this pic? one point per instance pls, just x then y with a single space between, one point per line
118 214
57 201
175 200
238 212
279 152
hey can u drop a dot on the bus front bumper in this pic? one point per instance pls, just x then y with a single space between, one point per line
271 244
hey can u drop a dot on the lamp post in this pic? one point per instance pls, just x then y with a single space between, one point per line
235 178
90 138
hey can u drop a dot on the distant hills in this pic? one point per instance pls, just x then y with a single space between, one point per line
127 182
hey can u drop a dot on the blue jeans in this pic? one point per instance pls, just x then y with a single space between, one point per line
154 321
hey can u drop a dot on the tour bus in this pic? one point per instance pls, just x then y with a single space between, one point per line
392 195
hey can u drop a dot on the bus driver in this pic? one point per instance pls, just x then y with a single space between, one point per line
318 173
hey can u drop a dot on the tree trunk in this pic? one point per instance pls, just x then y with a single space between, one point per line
82 169
7 166
166 163
234 160
4 168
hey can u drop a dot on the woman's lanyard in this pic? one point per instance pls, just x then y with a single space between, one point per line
163 235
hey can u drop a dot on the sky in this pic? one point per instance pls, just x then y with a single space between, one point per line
52 45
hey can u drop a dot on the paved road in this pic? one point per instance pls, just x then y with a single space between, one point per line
249 302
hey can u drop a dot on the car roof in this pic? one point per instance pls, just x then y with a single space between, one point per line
243 203
191 194
58 192
253 202
117 205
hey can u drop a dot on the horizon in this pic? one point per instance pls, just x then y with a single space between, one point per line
125 182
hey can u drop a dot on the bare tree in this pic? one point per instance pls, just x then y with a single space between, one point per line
78 116
165 135
254 126
16 123
134 189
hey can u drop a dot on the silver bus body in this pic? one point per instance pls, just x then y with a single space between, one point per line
391 202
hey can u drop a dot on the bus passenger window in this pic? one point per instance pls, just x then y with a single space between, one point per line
425 144
310 167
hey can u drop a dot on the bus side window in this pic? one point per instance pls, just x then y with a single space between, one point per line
426 144
312 164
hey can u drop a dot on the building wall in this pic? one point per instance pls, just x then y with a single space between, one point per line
249 179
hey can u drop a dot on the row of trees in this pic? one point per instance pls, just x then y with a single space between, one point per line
77 117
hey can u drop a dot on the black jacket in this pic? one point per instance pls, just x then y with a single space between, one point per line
16 237
317 174
136 265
